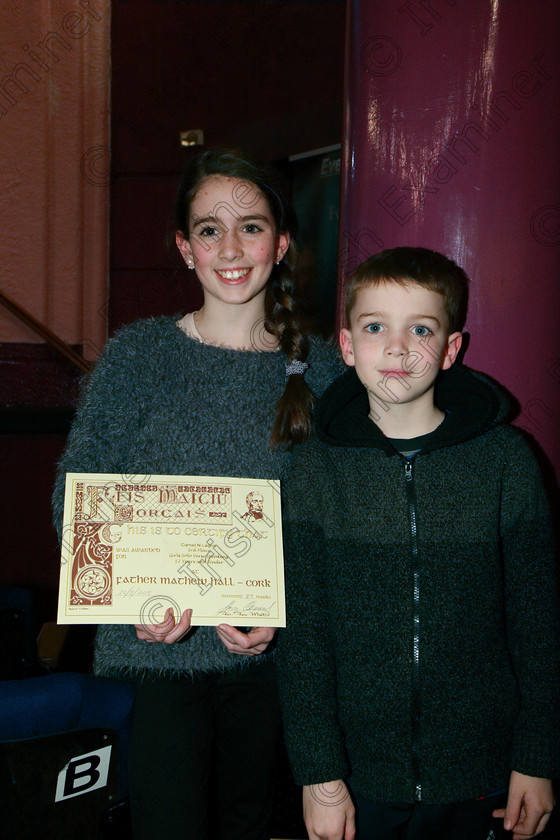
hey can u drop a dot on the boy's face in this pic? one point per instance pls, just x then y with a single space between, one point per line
398 340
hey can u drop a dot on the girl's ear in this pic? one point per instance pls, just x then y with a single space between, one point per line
185 248
345 341
450 353
282 245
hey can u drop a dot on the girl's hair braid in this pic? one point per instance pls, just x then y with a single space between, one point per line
285 320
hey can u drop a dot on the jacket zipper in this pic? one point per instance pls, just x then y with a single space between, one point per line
411 496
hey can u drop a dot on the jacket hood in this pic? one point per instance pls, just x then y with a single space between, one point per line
472 401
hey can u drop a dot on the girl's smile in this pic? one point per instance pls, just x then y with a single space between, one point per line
236 275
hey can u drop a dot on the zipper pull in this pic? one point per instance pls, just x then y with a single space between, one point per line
408 471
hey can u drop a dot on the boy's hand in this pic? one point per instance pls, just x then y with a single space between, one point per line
328 811
530 802
247 644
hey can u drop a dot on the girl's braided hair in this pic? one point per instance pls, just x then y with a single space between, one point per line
283 310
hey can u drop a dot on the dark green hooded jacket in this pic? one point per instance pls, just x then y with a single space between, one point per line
421 657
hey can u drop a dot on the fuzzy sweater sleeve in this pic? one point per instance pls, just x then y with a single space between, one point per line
306 666
531 611
110 407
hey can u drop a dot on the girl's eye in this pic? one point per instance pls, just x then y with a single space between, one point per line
374 328
208 231
419 330
251 228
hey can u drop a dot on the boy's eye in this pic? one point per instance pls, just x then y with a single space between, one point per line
374 328
419 330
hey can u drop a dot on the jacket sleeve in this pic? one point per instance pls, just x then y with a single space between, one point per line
306 664
531 612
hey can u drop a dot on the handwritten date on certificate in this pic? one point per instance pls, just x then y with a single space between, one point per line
133 546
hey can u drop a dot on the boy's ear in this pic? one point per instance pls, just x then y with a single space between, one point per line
345 341
184 247
453 346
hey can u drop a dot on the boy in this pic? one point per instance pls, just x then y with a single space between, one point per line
419 670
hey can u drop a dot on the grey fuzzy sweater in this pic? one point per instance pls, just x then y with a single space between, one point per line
159 402
421 656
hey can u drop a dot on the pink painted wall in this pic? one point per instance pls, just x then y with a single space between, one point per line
452 131
54 171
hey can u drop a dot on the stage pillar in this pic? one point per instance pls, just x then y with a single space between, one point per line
451 138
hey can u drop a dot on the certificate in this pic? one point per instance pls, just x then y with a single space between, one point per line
133 546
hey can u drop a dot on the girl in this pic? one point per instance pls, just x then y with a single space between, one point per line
222 391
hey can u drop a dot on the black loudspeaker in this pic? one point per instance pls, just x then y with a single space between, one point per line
58 787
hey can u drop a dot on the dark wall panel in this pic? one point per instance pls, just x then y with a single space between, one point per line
266 76
30 555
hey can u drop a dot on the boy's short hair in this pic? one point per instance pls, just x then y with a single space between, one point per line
428 268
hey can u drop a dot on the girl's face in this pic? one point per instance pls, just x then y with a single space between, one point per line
232 241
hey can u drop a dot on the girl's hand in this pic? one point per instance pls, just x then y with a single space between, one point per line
166 631
247 644
328 811
529 805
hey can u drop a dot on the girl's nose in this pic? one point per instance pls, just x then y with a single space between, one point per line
230 245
